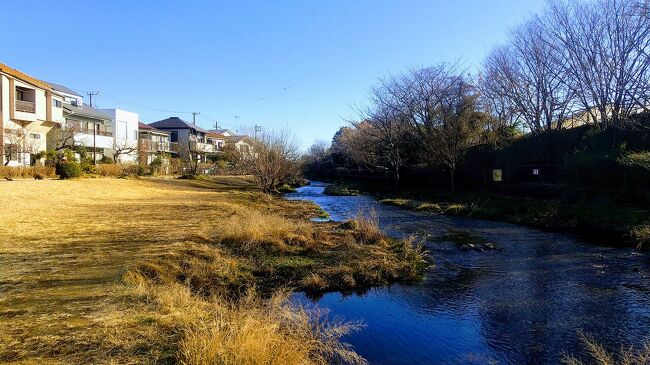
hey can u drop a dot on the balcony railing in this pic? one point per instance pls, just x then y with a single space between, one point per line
25 106
203 147
97 133
151 146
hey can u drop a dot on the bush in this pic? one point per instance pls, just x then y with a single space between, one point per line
156 166
106 160
88 168
68 169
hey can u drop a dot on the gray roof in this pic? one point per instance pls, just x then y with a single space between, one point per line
176 123
85 112
61 88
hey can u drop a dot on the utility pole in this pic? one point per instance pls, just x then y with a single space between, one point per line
90 95
258 128
94 143
194 114
216 125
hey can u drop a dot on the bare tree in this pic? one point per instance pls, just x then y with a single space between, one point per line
439 105
123 147
384 134
528 78
18 144
498 106
67 135
606 45
459 127
273 160
319 150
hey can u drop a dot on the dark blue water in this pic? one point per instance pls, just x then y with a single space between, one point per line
522 303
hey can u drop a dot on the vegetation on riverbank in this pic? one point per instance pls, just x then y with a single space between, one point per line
340 190
179 271
629 223
598 355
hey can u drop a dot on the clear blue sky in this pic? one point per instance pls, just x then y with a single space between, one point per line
282 64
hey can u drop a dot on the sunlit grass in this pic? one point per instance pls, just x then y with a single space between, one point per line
165 271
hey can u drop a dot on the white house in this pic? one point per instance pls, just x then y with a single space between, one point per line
124 129
29 110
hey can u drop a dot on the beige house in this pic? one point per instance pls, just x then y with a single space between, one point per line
29 109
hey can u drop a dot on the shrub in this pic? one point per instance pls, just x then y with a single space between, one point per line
156 166
106 160
68 169
641 234
88 167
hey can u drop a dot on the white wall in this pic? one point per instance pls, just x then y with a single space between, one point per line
125 131
37 128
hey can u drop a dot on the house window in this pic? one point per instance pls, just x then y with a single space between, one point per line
174 136
34 136
57 103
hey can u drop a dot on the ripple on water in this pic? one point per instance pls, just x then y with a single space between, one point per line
523 303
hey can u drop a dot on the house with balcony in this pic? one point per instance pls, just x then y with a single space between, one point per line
29 110
84 128
153 142
193 141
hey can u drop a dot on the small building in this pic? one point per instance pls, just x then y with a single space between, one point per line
29 109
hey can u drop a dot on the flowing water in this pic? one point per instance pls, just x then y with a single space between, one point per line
523 302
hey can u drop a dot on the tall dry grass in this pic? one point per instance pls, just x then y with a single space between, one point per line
250 330
27 171
254 230
111 170
598 355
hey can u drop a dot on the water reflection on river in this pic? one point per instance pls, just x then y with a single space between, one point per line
523 303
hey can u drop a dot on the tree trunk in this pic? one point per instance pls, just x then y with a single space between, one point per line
396 178
452 173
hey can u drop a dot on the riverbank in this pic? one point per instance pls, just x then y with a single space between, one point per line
611 224
631 225
168 271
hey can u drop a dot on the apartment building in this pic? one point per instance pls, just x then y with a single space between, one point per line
29 110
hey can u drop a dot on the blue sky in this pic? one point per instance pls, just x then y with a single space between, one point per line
299 65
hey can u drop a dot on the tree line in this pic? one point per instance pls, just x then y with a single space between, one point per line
582 62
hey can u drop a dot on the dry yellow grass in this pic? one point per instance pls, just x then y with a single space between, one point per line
598 355
131 271
162 271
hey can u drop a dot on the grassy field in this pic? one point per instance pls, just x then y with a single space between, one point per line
177 271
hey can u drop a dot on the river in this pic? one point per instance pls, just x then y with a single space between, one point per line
523 302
